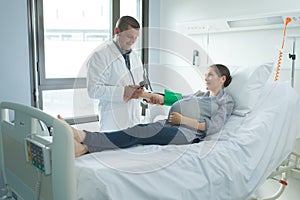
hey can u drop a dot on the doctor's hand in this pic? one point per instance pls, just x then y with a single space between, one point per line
175 118
132 92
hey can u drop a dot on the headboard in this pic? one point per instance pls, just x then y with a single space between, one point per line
22 179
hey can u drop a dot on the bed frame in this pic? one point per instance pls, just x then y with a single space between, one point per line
22 179
287 169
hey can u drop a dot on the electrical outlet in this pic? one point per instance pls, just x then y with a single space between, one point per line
197 28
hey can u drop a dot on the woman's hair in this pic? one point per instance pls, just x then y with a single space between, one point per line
126 21
222 70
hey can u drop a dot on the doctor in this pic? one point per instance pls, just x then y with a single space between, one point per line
114 71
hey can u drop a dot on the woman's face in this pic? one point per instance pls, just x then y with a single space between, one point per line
128 38
213 81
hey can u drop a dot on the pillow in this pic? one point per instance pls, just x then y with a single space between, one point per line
246 86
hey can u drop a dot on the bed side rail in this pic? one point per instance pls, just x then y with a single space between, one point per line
20 177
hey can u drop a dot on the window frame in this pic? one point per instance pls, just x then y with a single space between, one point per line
37 54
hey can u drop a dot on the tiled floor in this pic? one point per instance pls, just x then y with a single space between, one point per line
291 192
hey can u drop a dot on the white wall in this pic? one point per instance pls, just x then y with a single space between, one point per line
14 52
14 55
242 48
173 11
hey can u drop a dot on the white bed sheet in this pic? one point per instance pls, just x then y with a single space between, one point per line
228 165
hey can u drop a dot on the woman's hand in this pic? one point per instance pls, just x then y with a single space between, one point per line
153 98
175 118
156 99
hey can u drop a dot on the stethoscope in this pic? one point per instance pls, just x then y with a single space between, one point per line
146 81
143 83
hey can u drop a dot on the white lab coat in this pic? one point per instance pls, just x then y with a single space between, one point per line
107 75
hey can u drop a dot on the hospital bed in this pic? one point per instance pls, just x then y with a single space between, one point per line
230 164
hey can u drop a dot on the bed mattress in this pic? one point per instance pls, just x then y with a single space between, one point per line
230 164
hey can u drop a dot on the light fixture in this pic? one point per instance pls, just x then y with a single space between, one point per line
240 23
263 21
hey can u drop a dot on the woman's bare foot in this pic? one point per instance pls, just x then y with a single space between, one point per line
80 148
76 132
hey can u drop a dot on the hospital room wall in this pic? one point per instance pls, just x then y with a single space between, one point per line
243 48
252 48
14 55
14 52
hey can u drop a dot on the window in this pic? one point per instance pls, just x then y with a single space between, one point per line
64 35
71 33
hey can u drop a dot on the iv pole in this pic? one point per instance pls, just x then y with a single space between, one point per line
293 57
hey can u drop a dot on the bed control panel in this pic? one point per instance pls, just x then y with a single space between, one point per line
38 154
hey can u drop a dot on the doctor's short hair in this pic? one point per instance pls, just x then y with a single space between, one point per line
126 21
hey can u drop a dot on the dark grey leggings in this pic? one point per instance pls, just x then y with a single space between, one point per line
145 134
